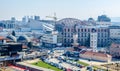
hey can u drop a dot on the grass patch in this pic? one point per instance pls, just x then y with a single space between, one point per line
82 63
45 65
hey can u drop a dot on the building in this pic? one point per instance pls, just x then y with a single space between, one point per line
104 23
104 18
93 40
95 56
7 24
2 40
114 32
68 26
115 50
36 18
9 53
49 39
10 49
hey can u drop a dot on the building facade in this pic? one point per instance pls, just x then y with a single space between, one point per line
83 29
115 50
49 39
93 40
7 24
114 32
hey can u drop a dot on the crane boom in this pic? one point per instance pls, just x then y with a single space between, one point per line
53 17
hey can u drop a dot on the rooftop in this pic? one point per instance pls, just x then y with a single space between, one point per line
2 38
114 45
95 54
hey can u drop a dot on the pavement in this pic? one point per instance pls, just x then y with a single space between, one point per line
66 65
58 53
7 69
31 61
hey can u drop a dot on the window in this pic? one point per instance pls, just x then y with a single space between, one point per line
71 40
81 30
85 30
65 30
101 34
65 40
68 30
98 34
68 40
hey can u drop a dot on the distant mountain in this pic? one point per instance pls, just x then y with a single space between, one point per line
115 19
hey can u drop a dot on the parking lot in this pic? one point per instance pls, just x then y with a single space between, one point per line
64 64
54 57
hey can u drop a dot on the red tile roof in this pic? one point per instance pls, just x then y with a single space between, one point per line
24 46
95 54
113 45
2 38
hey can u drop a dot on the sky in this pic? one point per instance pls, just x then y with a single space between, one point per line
81 9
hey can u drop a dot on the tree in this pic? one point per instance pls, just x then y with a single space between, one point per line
13 33
30 44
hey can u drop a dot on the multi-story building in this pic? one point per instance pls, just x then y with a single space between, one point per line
68 26
49 39
114 32
93 40
7 24
115 50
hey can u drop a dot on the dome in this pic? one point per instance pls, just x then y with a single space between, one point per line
70 21
23 38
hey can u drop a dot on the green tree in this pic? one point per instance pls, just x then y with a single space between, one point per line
30 45
13 33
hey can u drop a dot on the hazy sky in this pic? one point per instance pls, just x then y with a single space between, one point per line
82 9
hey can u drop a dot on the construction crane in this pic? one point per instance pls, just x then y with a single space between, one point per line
53 17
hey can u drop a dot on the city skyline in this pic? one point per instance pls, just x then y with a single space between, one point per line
81 9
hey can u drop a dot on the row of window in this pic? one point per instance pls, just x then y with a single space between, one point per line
85 34
85 30
85 40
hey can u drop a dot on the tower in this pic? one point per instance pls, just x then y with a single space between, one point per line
75 38
93 40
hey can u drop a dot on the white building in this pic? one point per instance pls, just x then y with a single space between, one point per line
114 32
104 23
49 39
93 41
